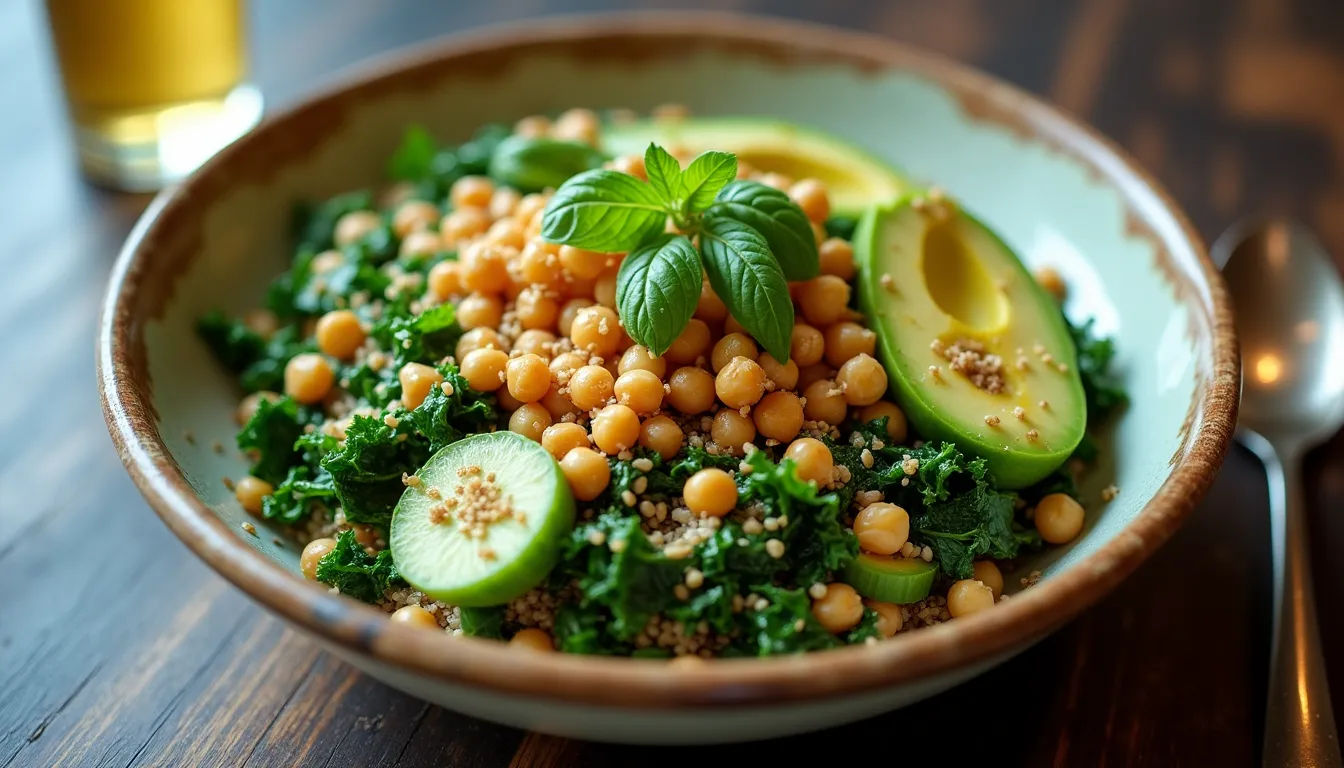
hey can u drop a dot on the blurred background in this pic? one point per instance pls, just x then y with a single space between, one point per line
116 645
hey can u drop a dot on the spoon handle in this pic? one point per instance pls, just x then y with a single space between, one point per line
1299 721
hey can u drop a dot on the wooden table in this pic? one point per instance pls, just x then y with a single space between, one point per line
118 647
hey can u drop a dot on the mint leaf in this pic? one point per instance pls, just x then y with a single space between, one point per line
777 218
603 210
531 165
704 177
664 174
657 289
414 157
746 276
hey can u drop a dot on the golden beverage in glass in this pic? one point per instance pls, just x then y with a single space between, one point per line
154 87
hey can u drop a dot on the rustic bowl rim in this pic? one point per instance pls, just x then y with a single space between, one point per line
487 665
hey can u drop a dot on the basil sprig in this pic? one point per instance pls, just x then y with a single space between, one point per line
752 239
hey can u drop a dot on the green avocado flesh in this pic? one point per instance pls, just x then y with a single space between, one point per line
516 552
899 581
854 179
933 278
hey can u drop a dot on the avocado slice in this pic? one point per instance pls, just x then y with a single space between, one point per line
854 178
977 353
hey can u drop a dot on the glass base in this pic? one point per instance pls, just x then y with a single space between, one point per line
146 149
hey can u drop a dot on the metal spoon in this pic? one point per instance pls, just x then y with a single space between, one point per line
1289 302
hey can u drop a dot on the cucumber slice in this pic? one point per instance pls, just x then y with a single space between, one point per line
490 563
900 581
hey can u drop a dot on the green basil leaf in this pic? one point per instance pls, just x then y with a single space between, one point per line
779 220
746 276
413 157
664 174
531 165
603 210
657 289
704 177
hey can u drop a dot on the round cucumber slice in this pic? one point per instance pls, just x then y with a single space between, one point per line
890 580
485 522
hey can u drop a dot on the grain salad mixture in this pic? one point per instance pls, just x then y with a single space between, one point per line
661 387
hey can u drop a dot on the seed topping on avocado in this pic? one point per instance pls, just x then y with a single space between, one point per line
969 358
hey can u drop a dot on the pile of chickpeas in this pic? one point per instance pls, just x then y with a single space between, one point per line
543 334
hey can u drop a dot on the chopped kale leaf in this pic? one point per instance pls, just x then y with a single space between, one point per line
270 437
355 572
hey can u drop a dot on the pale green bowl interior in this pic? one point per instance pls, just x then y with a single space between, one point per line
1047 205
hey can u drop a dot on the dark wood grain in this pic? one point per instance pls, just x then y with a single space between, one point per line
118 648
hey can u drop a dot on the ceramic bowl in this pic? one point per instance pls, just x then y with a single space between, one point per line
1056 191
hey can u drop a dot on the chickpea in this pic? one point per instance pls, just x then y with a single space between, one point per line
837 258
530 207
730 346
262 322
355 226
846 340
484 268
414 616
825 402
968 596
1053 282
327 261
889 617
640 390
812 459
479 338
506 401
840 610
583 264
691 390
484 369
639 358
533 126
535 342
251 492
590 387
445 280
863 380
616 429
987 573
528 378
562 437
710 493
597 330
818 233
882 528
782 375
422 243
777 180
557 404
741 383
632 165
692 344
897 428
779 415
710 307
339 334
807 345
308 378
730 430
313 552
587 472
540 262
604 290
569 312
503 203
567 361
416 382
462 224
531 420
248 407
472 192
661 435
579 125
477 311
824 300
532 639
1059 518
731 325
810 195
505 233
812 374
